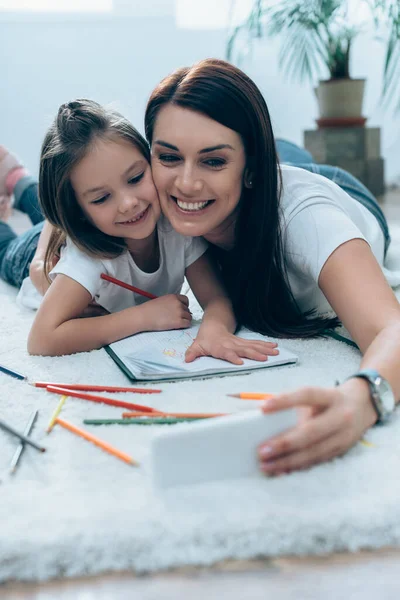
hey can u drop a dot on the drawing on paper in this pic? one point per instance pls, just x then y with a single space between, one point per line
184 341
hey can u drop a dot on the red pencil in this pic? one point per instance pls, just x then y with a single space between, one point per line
127 286
72 393
94 388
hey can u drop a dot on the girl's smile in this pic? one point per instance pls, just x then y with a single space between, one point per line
137 219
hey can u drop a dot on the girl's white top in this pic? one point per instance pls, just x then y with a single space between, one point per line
177 252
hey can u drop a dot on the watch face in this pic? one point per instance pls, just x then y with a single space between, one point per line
385 395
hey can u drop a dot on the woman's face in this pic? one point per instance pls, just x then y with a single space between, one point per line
198 167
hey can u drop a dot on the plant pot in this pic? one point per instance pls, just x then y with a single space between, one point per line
340 98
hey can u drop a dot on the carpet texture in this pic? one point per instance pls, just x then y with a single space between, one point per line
76 510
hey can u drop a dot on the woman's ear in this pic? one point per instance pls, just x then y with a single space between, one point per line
248 178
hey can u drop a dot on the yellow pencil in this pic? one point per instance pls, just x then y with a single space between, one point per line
366 443
95 440
56 413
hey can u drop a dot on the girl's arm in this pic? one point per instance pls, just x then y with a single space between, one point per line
57 328
216 334
36 269
355 287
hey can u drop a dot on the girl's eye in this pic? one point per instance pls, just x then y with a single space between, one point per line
168 158
100 200
136 179
215 162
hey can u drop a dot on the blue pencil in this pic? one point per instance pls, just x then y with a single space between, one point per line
12 373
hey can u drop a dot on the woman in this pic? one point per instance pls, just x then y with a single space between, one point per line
296 250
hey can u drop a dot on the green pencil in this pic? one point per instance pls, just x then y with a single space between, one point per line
141 421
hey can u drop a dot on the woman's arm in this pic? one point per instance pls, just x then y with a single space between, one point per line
216 334
57 328
355 287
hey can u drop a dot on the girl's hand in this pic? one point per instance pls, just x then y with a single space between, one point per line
37 275
93 310
222 344
167 312
330 422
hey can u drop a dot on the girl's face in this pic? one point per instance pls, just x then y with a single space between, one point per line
114 187
198 167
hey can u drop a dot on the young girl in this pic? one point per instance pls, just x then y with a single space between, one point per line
96 189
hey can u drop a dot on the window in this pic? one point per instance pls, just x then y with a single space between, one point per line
56 5
210 14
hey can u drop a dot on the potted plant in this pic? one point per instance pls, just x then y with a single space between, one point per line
317 40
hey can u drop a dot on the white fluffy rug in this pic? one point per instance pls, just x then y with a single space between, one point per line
76 510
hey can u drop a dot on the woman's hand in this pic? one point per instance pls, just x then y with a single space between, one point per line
330 422
219 343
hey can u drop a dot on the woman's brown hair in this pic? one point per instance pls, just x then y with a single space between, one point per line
254 272
77 126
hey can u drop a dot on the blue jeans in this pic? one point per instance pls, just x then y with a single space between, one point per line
291 154
17 252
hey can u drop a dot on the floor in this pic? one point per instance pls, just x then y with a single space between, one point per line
360 576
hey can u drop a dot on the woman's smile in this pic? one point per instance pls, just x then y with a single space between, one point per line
191 206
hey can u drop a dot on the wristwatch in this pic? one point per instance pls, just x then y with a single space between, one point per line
381 393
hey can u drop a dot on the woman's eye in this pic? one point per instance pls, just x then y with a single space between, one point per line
215 162
100 200
168 158
136 179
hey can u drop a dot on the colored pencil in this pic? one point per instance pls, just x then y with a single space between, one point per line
19 451
127 286
129 415
140 421
56 413
92 398
21 436
83 387
366 443
251 396
11 372
100 443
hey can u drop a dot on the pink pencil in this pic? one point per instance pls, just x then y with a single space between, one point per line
94 388
127 286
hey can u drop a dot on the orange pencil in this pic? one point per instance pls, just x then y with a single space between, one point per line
95 388
127 286
95 440
91 397
251 396
128 415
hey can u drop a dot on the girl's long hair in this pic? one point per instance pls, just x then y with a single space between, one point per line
255 271
78 124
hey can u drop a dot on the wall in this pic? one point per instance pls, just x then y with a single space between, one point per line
46 60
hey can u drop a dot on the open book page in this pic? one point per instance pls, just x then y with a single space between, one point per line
163 353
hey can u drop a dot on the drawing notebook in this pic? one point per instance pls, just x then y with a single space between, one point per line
159 355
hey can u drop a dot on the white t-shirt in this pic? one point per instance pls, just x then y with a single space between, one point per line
318 217
177 252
